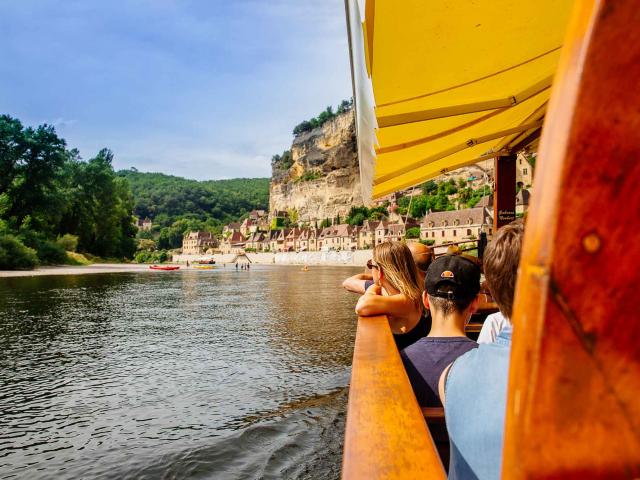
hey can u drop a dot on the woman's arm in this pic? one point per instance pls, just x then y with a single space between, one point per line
371 304
356 283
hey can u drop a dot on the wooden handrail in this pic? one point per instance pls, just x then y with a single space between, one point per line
386 435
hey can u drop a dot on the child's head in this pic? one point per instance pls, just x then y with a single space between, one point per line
452 284
501 260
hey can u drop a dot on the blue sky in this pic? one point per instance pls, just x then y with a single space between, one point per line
203 89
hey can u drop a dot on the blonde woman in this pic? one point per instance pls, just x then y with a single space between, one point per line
396 293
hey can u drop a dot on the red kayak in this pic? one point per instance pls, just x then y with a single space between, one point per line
163 267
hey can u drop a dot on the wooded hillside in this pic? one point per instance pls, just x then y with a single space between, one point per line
166 198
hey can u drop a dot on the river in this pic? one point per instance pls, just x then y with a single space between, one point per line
219 374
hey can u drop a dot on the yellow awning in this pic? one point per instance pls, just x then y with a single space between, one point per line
440 84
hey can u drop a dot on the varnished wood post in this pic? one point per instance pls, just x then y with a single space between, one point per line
504 196
573 408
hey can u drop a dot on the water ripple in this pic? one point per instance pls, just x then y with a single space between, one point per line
209 374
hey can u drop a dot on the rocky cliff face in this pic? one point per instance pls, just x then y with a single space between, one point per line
321 179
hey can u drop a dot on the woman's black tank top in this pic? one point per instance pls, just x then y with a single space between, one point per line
421 329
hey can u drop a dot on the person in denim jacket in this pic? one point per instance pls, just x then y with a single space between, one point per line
473 388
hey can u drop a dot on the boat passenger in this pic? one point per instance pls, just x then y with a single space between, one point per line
422 256
451 291
396 293
503 269
474 388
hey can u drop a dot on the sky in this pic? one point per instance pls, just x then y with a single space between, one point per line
203 89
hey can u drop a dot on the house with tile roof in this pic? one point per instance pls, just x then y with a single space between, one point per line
381 232
196 243
281 240
254 241
234 243
456 225
347 236
292 240
367 234
272 241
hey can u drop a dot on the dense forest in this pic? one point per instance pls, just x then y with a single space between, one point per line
177 205
52 201
166 198
54 204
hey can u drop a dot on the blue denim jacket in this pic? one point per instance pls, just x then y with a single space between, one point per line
475 403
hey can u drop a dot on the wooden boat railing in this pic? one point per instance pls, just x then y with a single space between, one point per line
386 433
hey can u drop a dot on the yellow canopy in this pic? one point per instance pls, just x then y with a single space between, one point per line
440 84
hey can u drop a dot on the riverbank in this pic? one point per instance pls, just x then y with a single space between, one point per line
78 270
262 259
354 258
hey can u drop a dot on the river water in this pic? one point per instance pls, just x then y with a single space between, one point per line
219 374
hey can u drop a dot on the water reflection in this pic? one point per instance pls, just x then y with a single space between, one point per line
185 374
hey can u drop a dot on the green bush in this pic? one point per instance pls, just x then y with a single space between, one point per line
146 256
68 242
429 242
51 253
15 256
146 244
308 177
413 232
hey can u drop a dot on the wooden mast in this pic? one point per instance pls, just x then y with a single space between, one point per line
573 408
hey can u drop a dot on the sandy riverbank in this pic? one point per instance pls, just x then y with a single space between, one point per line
78 270
104 268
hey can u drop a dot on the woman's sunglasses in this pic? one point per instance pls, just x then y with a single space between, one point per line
371 265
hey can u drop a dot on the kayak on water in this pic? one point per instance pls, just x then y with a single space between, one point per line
163 267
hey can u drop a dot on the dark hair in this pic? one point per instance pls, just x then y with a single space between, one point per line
501 260
424 264
447 307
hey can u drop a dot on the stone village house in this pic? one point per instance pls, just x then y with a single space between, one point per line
234 243
197 243
456 225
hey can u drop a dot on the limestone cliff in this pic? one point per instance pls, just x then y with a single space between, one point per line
321 178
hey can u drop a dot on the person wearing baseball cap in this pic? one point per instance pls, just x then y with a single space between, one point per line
451 286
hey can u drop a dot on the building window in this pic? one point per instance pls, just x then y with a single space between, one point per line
524 171
454 233
469 231
443 233
433 234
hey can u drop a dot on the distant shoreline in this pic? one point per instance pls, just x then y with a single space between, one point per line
115 268
77 270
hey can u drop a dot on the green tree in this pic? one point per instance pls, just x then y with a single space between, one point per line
413 232
419 206
31 162
429 187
